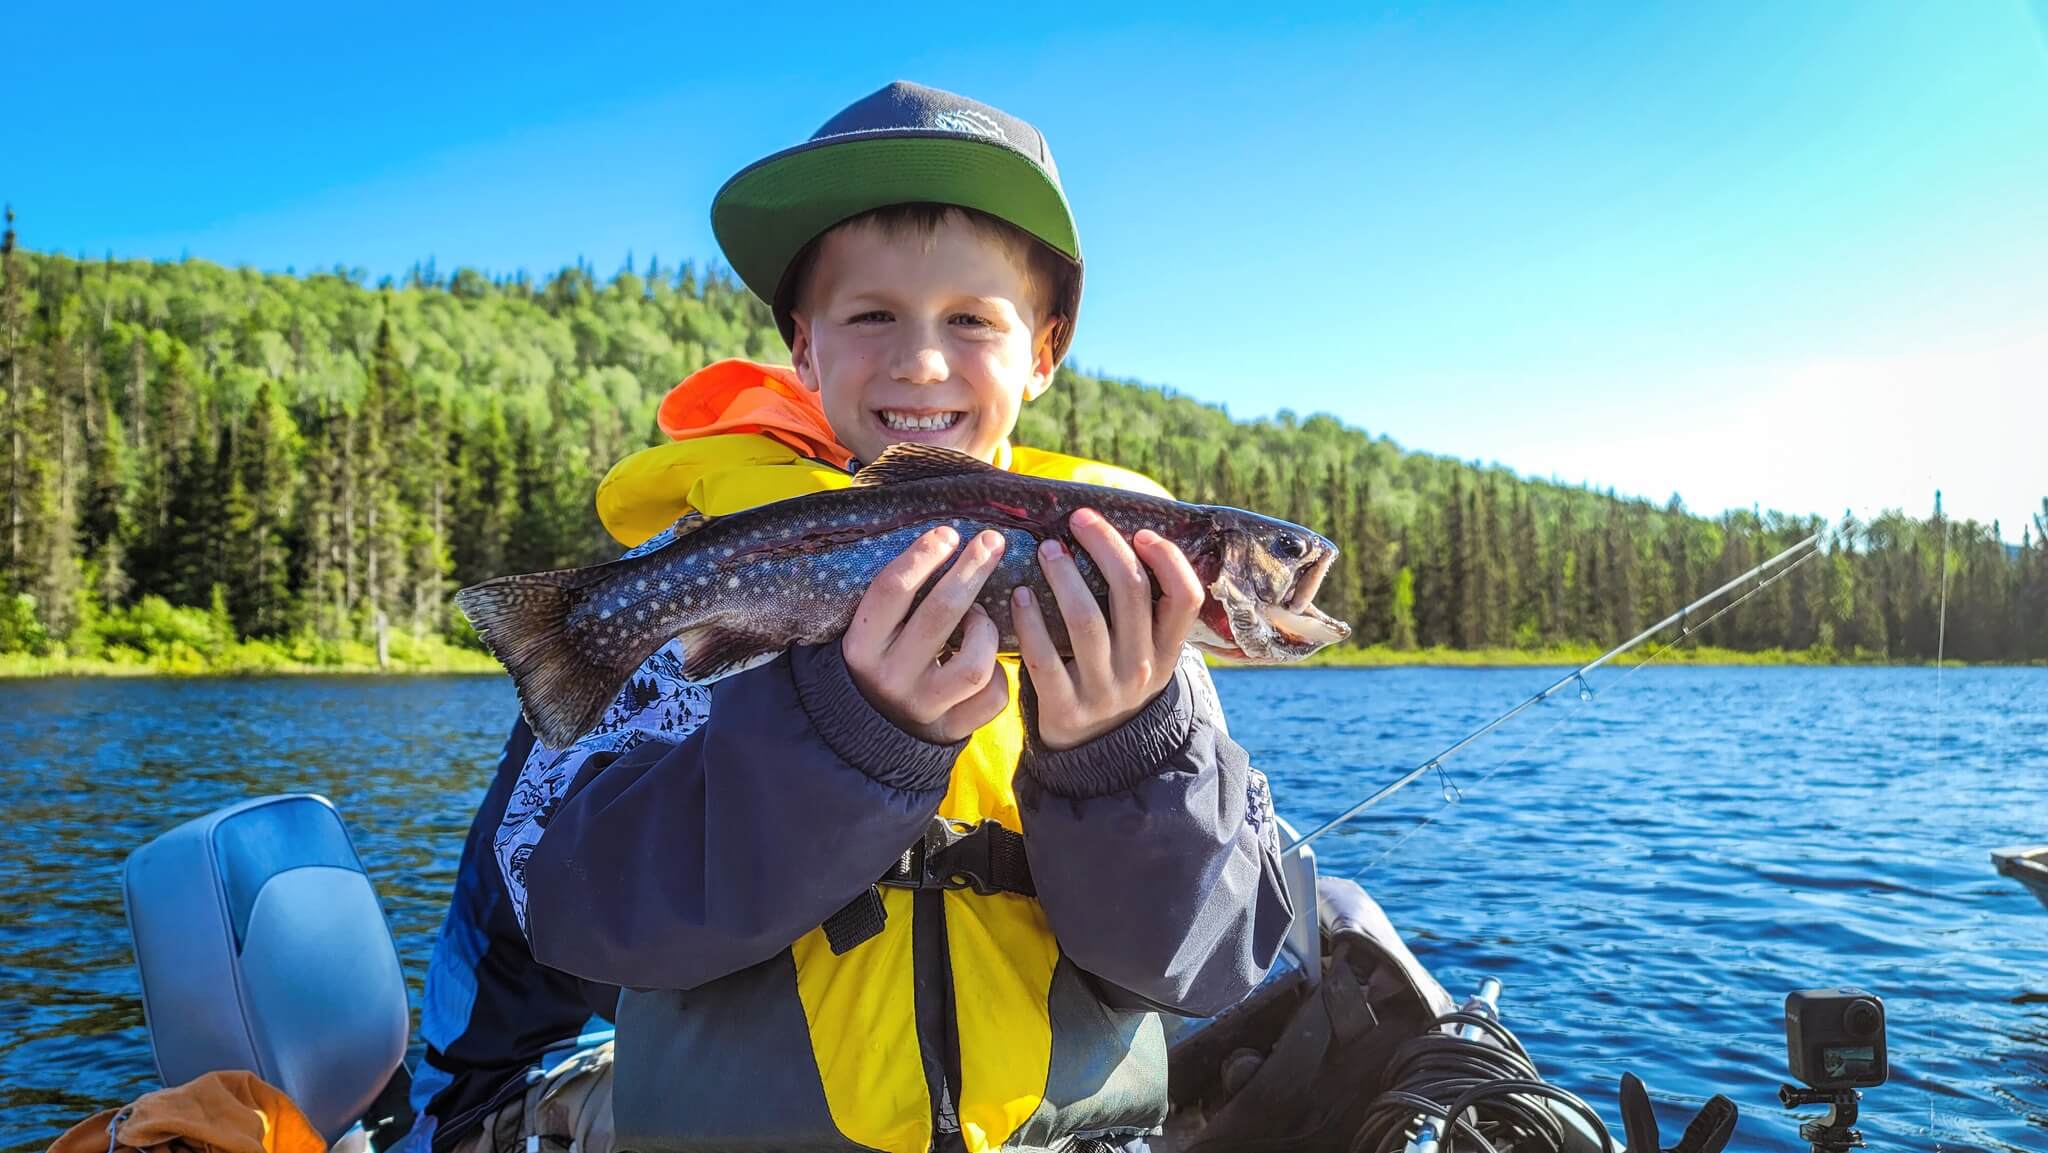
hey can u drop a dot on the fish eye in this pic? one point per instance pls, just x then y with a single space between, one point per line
1287 546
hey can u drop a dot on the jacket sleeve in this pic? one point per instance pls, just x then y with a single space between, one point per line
1155 852
675 862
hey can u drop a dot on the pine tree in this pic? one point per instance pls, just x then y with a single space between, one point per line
193 540
1620 565
1077 444
1531 618
257 510
1223 488
1498 592
383 534
105 528
1464 582
1373 575
16 432
486 498
319 533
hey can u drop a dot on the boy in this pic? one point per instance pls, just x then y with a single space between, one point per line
871 895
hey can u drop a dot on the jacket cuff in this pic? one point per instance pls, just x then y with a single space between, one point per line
1117 760
859 735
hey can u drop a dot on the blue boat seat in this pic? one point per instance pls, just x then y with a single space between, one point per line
262 947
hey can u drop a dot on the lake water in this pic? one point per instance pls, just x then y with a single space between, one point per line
1649 877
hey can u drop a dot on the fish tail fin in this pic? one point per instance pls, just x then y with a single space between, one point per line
564 687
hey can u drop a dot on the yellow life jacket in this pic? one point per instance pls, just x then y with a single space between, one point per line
860 1006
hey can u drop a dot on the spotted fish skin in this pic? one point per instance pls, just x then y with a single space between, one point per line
739 589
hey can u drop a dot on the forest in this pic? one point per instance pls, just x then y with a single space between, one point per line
224 468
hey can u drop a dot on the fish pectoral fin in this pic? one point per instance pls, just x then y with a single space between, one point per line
909 461
717 649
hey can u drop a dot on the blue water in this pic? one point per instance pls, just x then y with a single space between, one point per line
1649 877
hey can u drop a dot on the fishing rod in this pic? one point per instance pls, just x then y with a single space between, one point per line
1576 676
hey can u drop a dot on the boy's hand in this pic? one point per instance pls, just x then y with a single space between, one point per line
1120 664
894 661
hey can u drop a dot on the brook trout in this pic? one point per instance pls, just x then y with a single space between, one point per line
737 590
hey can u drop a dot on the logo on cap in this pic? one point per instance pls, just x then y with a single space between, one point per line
971 122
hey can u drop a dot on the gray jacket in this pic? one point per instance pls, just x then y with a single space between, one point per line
688 844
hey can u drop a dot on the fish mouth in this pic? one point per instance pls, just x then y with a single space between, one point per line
1308 582
1310 630
1297 619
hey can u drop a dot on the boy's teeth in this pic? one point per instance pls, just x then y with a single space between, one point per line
912 422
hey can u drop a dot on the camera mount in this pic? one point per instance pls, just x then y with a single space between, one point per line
1834 1133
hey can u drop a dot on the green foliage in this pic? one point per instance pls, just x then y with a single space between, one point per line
197 456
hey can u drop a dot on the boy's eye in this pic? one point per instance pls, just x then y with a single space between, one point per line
875 316
971 320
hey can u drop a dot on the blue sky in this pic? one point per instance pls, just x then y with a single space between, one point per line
1793 255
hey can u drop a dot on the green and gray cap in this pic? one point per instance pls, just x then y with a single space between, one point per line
904 144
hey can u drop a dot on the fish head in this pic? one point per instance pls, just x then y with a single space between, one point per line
1262 576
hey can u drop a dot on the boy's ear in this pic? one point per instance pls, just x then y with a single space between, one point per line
802 356
1044 362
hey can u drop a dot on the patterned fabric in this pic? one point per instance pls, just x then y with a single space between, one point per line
657 703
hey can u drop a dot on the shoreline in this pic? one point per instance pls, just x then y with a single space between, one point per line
255 661
447 661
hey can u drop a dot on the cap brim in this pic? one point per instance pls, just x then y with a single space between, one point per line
767 213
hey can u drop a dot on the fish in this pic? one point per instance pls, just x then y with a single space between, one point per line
738 590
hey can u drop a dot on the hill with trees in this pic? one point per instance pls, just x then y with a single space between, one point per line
200 457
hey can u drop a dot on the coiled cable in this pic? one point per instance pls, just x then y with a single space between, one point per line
1484 1089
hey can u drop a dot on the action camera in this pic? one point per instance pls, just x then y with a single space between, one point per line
1836 1038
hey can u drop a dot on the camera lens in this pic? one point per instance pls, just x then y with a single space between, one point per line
1862 1018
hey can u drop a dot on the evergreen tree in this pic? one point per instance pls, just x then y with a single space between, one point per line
193 540
106 528
16 432
257 509
487 497
1531 621
1223 487
382 419
1077 442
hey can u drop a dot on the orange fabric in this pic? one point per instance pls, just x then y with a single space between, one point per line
734 396
217 1113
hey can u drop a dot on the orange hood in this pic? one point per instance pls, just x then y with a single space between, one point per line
745 434
736 396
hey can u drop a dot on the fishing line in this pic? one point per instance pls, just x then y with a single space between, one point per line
1577 676
1686 633
1452 802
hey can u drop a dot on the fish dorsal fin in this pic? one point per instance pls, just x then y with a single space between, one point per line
901 462
685 524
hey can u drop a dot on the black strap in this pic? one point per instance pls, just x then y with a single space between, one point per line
1638 1120
1709 1132
862 918
987 858
1712 1129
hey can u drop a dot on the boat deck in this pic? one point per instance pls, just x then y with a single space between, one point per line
2028 865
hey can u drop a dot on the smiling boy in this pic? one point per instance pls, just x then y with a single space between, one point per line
898 892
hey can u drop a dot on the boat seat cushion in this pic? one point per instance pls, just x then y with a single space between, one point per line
262 947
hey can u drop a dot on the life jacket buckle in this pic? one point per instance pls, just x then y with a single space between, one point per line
986 858
952 855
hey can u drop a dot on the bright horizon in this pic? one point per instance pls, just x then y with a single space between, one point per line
1737 252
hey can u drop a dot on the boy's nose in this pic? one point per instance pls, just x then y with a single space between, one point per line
921 361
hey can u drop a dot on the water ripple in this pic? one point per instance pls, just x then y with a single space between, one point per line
1649 880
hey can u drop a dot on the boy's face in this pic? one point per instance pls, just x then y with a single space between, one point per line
936 339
